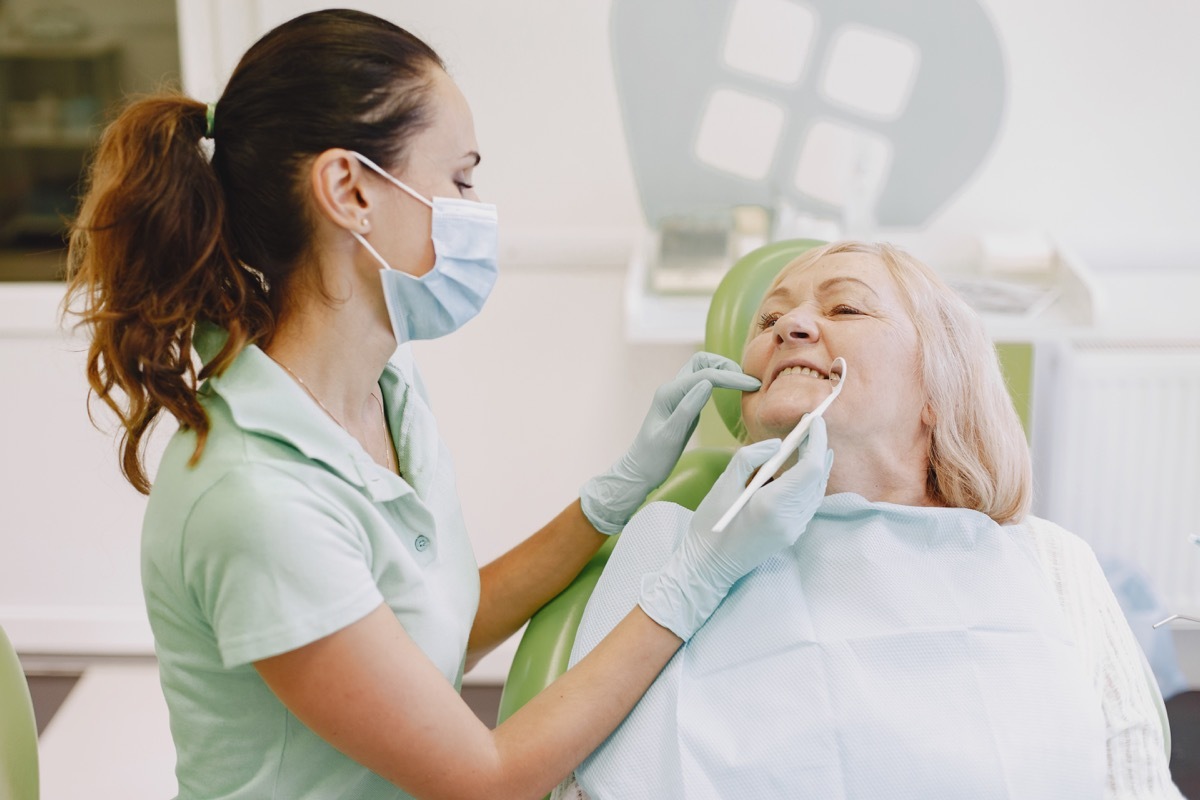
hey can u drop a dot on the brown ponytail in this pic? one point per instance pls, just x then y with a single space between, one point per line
165 238
148 258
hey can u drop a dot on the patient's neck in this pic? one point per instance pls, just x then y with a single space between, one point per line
881 475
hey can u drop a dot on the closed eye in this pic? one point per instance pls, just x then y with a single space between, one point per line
845 309
767 321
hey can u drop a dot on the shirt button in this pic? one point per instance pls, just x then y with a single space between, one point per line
421 543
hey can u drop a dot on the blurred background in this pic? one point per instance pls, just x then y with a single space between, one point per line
1041 155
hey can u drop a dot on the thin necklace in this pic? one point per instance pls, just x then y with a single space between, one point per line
387 439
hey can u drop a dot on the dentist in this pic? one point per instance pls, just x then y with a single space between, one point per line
310 584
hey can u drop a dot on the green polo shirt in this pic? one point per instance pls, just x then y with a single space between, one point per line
284 532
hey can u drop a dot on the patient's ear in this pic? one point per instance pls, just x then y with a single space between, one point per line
928 418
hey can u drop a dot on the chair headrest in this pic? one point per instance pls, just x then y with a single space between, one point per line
732 312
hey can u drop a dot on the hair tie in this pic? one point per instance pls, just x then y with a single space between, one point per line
209 115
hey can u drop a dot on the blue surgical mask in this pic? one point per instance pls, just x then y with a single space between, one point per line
465 246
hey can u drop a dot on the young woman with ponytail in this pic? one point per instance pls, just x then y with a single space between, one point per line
310 584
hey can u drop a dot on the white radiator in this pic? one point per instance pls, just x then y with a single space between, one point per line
1117 455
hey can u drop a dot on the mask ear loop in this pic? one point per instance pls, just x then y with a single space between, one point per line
363 241
383 173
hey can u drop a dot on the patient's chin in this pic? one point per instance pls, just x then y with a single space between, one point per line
771 423
773 413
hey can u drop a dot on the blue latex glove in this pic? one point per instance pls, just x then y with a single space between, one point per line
698 575
609 500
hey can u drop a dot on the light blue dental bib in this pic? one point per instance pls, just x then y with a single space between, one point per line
893 652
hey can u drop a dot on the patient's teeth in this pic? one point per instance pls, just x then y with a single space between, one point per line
801 370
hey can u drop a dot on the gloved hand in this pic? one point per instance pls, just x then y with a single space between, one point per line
698 575
609 500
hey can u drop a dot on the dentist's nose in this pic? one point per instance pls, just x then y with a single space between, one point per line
798 325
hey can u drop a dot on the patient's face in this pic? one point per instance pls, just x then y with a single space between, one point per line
847 305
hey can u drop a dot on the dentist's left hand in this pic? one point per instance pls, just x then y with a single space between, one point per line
609 500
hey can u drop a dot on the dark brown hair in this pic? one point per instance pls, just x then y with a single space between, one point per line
164 238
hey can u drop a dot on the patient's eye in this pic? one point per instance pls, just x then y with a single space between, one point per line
767 321
842 308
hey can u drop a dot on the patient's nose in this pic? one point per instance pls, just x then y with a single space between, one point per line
799 324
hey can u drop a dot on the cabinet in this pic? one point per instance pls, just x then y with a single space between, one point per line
52 97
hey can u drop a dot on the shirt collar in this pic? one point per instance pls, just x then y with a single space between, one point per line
264 399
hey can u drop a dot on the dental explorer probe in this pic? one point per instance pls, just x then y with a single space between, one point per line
789 445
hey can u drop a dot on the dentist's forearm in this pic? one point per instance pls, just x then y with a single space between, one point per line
524 579
551 734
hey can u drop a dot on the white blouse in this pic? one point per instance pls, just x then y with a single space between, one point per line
1134 714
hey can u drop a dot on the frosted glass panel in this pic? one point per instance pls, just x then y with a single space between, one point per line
769 38
841 165
871 71
739 133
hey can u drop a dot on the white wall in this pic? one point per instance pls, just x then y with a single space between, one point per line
69 575
1098 144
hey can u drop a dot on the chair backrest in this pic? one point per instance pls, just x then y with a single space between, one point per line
18 730
545 647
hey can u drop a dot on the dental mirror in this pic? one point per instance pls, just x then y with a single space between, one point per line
789 445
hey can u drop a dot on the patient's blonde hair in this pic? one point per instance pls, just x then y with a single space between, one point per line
978 456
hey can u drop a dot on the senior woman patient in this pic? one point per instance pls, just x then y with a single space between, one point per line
925 636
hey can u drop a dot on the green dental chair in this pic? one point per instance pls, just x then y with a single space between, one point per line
18 730
545 648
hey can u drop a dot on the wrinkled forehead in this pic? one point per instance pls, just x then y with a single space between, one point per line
806 278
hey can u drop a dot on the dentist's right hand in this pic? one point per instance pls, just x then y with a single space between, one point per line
698 575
